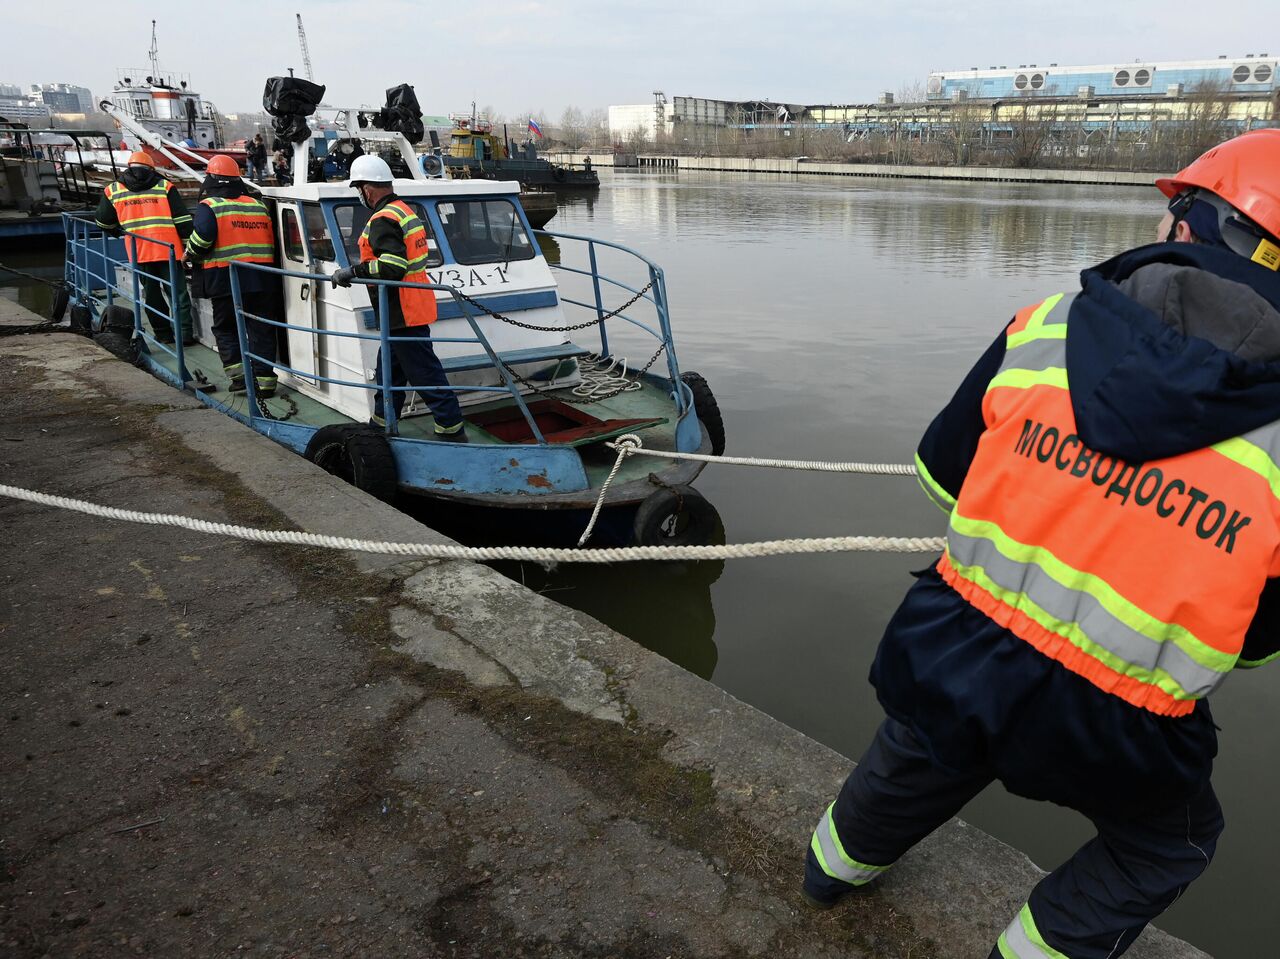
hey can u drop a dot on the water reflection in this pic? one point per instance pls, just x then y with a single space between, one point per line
44 263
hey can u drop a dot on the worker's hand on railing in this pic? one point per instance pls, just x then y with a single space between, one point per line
343 277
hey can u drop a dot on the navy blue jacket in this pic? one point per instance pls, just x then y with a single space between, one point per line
977 695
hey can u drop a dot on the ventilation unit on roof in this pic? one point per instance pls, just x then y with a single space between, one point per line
935 84
1241 74
1121 79
1142 77
1020 81
1262 73
1037 81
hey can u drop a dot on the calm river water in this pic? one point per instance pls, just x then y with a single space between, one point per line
833 318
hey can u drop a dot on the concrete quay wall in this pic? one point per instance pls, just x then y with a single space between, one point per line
214 747
824 168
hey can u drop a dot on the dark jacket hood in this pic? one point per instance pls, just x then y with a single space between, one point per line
1171 348
140 177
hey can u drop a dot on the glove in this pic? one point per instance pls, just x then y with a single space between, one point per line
343 277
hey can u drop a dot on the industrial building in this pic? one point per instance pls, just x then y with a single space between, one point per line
1105 100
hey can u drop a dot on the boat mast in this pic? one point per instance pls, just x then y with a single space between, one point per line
155 54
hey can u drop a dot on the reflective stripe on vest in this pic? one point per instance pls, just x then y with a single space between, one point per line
1142 578
244 233
835 862
1022 940
418 306
146 213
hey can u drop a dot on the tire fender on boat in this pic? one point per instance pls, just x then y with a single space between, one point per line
61 300
708 410
119 343
360 455
675 516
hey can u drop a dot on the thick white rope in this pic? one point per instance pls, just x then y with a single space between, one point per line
625 443
781 547
820 466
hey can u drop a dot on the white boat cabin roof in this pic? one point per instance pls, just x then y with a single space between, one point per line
448 189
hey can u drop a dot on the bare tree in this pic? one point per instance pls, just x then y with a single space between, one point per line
1031 126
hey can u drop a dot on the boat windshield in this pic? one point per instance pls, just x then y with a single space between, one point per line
484 231
352 217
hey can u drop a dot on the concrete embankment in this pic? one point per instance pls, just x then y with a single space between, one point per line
825 168
216 748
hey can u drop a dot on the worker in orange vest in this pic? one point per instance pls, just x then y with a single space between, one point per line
149 211
394 246
1110 470
232 226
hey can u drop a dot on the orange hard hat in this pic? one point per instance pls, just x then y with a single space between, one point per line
141 159
1244 171
223 165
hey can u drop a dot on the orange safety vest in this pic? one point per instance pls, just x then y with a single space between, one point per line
146 213
244 232
418 306
1141 577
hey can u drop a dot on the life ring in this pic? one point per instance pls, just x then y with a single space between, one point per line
708 410
61 300
359 455
675 516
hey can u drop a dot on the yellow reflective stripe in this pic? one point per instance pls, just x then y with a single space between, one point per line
941 498
1136 618
1029 927
149 222
392 260
1035 328
839 847
822 860
1026 379
1253 458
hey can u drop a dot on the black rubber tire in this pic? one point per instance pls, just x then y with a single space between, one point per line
61 300
116 317
117 343
708 410
675 516
81 319
359 455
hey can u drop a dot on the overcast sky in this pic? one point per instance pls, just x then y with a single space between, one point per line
521 56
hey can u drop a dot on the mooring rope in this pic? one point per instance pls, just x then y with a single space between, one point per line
630 445
781 547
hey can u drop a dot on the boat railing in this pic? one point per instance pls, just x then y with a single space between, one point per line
383 337
654 293
94 259
91 267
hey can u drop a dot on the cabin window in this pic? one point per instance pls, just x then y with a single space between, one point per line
317 233
293 249
484 231
352 218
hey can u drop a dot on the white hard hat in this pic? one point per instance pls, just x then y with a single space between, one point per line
369 169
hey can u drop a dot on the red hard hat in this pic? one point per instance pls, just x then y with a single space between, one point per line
223 165
141 159
1244 171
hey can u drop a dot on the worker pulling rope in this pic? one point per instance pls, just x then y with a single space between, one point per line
783 547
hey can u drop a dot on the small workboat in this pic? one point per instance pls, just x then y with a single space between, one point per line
549 360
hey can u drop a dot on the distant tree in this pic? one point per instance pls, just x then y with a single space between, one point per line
572 128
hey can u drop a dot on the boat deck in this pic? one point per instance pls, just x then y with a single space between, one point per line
650 402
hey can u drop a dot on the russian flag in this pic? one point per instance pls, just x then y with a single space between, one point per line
534 128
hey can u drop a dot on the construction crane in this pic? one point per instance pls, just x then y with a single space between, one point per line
306 54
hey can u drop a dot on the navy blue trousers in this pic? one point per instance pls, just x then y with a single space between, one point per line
261 337
416 365
1091 907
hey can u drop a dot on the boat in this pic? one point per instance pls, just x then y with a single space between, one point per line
476 151
166 104
542 355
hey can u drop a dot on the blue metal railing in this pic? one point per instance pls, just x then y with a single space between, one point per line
384 339
88 246
88 249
